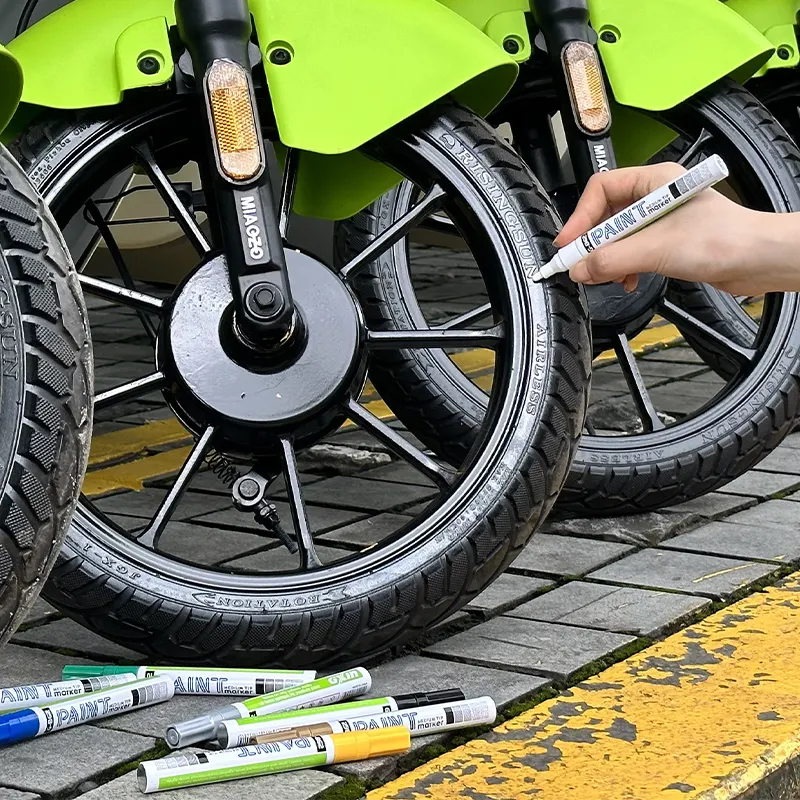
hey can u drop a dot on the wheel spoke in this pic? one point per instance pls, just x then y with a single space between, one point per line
121 294
633 377
441 476
287 190
309 558
129 391
434 338
168 194
430 203
119 261
467 318
152 533
686 322
695 147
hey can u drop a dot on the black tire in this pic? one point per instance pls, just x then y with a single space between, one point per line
119 590
45 393
618 475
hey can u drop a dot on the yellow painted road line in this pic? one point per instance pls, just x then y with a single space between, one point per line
133 474
704 715
132 441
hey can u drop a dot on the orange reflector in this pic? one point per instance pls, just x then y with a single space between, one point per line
586 86
230 100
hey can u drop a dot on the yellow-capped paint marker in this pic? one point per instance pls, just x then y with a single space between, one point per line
197 769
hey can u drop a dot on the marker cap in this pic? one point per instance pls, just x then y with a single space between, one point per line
429 698
192 731
74 672
361 745
18 726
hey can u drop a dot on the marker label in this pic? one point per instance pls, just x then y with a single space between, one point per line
242 732
230 682
16 697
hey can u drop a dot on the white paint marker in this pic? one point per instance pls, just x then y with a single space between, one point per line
208 680
29 723
637 216
321 692
40 694
420 721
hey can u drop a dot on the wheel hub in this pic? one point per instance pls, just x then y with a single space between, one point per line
613 310
252 401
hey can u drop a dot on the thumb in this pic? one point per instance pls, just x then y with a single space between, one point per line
614 262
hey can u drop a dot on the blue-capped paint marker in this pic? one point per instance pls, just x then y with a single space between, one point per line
14 698
40 720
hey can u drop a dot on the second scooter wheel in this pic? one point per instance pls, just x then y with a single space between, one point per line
671 457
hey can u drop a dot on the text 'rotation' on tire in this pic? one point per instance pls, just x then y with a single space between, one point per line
222 588
662 427
45 393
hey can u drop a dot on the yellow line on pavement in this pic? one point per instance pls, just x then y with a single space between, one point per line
133 474
703 715
132 441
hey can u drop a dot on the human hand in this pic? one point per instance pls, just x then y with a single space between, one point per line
710 239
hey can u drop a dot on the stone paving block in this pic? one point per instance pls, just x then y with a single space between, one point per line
713 505
367 531
320 518
640 612
64 634
304 785
782 459
367 495
765 542
506 592
13 794
145 504
640 529
762 485
25 665
207 545
397 472
415 674
676 399
793 441
669 370
566 555
681 354
279 559
61 761
538 648
40 611
708 576
775 512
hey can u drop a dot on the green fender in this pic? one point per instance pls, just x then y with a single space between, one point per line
667 50
776 20
10 86
359 67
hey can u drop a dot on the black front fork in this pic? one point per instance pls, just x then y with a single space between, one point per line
562 22
217 34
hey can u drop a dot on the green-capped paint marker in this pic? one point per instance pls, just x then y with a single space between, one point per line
321 692
206 680
197 769
241 732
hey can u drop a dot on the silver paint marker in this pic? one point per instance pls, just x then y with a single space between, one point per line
43 694
637 216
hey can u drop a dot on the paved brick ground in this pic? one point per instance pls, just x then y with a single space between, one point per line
582 591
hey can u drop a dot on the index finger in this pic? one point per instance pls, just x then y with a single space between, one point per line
607 193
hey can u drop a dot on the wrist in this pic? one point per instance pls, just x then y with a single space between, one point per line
774 250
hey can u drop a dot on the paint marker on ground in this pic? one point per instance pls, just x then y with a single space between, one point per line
38 721
321 692
189 769
208 680
40 694
420 721
241 732
637 215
